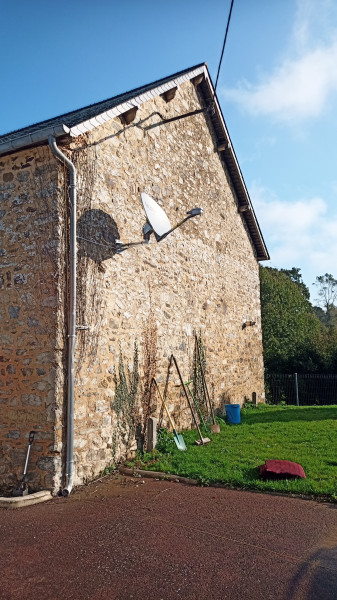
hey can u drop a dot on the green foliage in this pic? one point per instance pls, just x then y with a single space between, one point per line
329 319
109 470
165 441
124 404
294 339
327 291
305 435
197 383
295 276
248 404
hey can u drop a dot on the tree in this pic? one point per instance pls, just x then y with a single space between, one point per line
293 336
296 277
327 291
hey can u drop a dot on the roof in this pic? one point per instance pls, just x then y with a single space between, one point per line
80 121
84 119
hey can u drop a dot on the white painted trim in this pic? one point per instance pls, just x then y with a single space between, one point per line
114 112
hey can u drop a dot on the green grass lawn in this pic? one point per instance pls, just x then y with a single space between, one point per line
306 435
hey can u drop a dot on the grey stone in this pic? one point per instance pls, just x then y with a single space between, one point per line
23 176
20 279
6 340
45 357
50 302
31 399
13 433
152 433
41 386
33 322
27 371
14 311
46 463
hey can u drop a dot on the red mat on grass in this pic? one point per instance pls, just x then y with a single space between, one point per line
281 469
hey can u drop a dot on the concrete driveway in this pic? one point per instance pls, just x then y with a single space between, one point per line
121 539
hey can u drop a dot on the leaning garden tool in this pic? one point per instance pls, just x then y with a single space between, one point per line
23 487
202 440
178 438
215 428
196 405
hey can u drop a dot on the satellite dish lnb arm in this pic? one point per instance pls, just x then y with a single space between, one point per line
191 213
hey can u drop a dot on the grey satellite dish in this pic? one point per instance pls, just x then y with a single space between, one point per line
157 220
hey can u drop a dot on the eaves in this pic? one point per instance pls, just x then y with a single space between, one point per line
78 122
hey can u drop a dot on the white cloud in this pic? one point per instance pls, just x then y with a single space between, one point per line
298 234
298 89
306 77
314 23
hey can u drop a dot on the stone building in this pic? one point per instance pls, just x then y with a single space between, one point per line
167 139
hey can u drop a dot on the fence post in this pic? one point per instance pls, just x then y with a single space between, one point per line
296 390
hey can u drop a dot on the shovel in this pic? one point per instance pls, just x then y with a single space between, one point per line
178 438
22 490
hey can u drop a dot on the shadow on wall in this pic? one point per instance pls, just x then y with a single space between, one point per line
96 237
97 233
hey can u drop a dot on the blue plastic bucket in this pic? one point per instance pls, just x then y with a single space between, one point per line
233 413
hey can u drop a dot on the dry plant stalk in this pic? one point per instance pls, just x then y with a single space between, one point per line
150 345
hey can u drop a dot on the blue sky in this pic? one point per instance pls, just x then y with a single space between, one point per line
277 89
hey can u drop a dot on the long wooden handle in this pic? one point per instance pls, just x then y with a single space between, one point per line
204 381
186 396
164 405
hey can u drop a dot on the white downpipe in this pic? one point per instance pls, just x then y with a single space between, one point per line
72 316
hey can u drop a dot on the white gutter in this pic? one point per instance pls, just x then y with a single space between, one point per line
30 139
72 316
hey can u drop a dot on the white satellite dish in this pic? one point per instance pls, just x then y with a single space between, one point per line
157 223
157 220
155 215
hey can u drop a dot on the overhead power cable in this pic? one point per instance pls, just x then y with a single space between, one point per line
223 47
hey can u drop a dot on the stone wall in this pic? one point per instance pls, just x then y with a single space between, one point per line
31 334
202 278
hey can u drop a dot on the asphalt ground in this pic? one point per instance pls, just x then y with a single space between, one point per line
126 538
